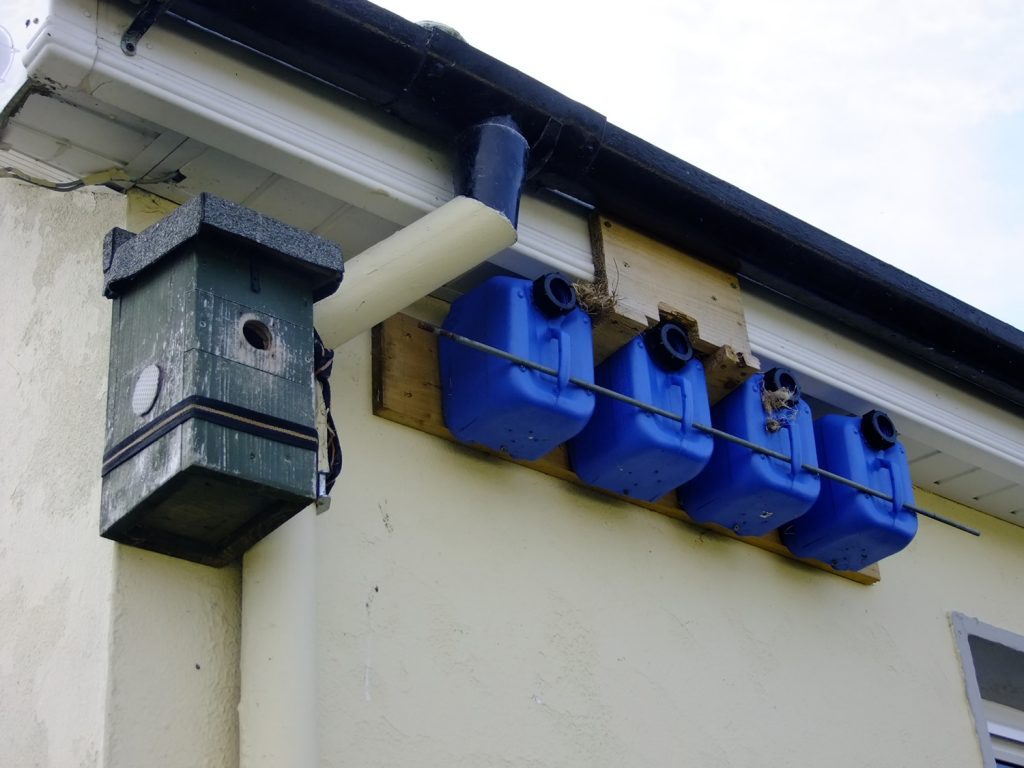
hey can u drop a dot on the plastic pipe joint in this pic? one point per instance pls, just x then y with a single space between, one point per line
490 165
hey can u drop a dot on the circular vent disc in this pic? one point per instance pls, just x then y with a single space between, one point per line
147 386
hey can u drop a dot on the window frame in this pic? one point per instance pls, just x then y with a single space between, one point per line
1000 728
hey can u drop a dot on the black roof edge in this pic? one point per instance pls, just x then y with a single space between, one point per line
440 85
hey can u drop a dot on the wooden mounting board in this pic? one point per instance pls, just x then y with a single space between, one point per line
407 390
651 281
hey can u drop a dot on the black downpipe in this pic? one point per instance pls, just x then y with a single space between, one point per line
490 165
441 85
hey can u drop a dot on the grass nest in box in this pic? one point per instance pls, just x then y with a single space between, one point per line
594 298
778 408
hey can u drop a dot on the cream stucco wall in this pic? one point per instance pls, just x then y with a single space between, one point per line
476 613
55 572
108 656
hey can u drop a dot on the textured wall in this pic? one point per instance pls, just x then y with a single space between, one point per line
476 613
173 682
108 656
55 571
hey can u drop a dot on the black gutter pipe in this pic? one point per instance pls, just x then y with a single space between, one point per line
490 165
439 84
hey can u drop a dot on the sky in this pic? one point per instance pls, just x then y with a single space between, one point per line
895 125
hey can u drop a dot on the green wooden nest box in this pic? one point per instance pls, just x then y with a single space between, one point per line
211 438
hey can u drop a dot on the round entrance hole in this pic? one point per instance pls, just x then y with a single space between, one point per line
257 334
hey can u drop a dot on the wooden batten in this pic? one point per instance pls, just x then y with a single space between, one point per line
145 209
407 390
645 281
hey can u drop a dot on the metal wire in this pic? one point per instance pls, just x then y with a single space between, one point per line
57 186
599 390
93 179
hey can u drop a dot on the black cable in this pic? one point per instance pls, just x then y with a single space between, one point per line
323 362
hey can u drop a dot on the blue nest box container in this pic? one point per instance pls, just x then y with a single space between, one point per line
498 403
846 528
626 450
749 492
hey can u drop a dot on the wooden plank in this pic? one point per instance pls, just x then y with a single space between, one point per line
407 390
645 281
145 208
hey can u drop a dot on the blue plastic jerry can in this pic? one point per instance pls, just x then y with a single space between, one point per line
636 453
503 405
748 492
846 528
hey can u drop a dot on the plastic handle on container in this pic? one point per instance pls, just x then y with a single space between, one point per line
564 355
795 450
897 486
686 393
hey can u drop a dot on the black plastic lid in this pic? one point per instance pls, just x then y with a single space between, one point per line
554 295
782 378
878 429
668 345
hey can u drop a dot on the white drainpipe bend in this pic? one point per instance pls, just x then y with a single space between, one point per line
405 267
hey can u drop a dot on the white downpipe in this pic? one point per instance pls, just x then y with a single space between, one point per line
277 723
277 713
414 261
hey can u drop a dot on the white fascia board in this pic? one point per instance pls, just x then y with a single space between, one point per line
849 373
228 98
26 21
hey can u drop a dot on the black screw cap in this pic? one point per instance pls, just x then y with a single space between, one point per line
668 345
878 430
782 378
554 295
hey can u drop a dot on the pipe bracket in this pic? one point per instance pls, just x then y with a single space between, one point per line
150 11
